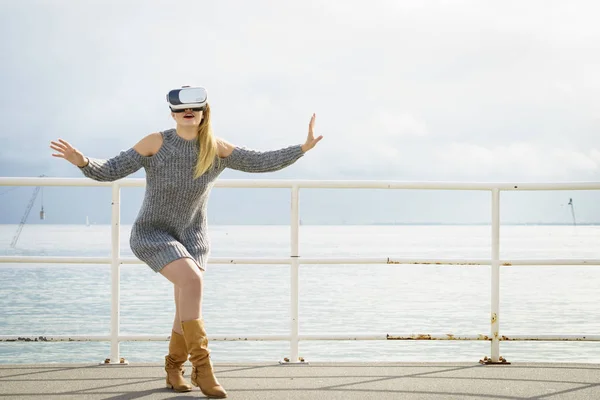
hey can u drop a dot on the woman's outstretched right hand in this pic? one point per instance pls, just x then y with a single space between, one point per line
68 152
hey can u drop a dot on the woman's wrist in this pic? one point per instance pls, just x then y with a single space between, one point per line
86 161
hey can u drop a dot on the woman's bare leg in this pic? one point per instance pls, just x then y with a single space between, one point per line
177 318
178 350
187 278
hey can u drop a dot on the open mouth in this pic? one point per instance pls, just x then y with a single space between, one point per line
188 116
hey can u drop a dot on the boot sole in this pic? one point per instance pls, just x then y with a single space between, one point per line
210 396
169 386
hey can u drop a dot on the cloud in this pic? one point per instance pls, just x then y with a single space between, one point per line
435 89
458 161
396 125
522 161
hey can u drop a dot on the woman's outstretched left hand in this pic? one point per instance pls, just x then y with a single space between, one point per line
311 141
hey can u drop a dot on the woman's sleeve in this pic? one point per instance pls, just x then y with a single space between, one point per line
125 163
247 160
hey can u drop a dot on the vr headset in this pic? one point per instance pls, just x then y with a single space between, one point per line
187 98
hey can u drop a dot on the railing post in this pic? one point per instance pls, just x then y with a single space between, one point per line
495 272
294 276
115 273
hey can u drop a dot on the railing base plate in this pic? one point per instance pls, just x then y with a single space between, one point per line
286 361
108 361
488 361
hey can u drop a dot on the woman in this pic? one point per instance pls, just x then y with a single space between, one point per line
170 231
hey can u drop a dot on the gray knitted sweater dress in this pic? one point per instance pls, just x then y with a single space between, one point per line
171 223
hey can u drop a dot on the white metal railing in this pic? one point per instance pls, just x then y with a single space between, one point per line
295 260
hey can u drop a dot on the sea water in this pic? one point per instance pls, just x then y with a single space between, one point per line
241 300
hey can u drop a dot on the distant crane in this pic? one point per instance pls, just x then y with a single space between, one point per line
27 210
572 211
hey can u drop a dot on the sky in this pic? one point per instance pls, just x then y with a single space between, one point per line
411 91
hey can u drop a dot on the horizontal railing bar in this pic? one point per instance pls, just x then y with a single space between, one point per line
316 184
552 338
130 260
437 185
132 338
228 260
305 337
84 182
333 260
448 336
53 260
227 338
345 260
309 261
54 338
551 262
384 336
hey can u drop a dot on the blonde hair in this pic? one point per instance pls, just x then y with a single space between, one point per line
207 144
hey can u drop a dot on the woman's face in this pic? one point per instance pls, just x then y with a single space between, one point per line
188 117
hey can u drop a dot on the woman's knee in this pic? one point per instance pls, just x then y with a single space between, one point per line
191 286
184 274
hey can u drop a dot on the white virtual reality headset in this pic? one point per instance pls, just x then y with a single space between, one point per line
187 98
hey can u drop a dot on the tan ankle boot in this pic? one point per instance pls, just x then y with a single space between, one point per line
178 355
202 372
